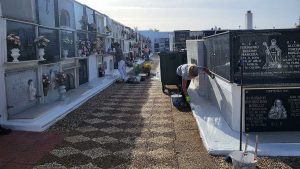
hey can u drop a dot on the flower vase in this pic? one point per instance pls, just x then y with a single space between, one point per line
45 91
15 53
79 52
62 93
65 53
41 53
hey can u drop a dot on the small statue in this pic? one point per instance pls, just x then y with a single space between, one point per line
32 90
52 80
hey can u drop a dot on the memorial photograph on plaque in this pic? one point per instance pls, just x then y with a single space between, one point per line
46 12
272 110
26 32
23 10
52 53
66 13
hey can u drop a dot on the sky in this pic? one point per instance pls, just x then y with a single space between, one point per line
170 15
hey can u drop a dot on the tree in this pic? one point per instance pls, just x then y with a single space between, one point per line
298 26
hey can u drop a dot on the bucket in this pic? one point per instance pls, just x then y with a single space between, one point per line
242 160
177 100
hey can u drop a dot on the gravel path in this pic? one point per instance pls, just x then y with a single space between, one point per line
133 126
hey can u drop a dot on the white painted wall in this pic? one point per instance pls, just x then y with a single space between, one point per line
195 55
2 79
93 67
224 95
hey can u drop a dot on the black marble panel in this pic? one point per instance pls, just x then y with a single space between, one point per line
46 12
26 32
272 110
52 53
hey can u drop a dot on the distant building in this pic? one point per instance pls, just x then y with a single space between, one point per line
162 45
180 38
177 39
249 20
152 35
171 41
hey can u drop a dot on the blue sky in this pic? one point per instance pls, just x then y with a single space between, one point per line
169 15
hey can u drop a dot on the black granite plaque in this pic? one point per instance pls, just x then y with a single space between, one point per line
218 55
26 32
272 110
268 56
46 12
68 42
83 72
52 53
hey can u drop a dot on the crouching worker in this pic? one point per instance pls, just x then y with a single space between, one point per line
185 73
121 61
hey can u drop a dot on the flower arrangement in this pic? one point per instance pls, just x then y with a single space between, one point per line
97 45
46 81
41 42
84 46
13 40
60 78
67 41
147 65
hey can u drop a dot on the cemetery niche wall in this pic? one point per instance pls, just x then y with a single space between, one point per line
270 62
268 56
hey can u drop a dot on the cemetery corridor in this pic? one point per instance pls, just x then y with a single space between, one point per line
128 126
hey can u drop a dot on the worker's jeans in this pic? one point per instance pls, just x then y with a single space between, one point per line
122 69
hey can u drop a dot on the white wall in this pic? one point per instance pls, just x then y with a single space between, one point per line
195 55
2 79
224 95
93 67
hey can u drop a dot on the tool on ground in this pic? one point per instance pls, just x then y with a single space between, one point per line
188 99
256 146
243 159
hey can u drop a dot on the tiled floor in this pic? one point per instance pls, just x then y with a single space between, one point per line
127 126
21 150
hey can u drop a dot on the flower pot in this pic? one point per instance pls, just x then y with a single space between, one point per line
65 53
41 53
15 53
62 92
79 52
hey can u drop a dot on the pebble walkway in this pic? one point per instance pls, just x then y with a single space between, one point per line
128 126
